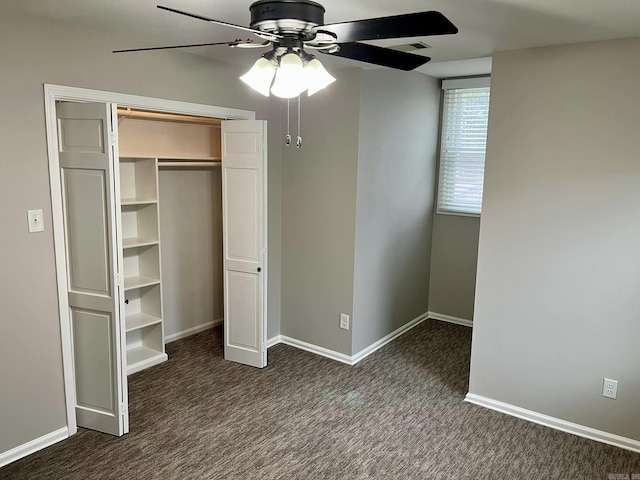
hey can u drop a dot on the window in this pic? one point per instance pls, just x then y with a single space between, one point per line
465 116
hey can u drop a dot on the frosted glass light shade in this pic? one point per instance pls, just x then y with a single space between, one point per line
259 77
290 78
317 76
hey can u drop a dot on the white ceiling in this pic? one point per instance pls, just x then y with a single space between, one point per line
486 26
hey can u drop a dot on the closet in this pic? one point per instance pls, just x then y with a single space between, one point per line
159 220
171 223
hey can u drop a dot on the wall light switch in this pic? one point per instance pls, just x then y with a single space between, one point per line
36 221
344 321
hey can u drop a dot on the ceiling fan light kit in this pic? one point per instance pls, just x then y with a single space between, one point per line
294 72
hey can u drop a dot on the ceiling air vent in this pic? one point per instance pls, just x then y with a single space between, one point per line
410 47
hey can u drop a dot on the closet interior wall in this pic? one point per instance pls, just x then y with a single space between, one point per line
187 154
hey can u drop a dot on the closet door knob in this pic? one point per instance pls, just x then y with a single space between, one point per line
259 269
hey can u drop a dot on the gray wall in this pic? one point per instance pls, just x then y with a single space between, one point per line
318 216
273 113
454 256
399 114
32 396
191 241
558 267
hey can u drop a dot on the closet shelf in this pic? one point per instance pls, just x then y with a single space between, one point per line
140 320
138 242
141 357
137 201
124 113
183 164
131 283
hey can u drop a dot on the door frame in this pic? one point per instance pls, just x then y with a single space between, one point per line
54 93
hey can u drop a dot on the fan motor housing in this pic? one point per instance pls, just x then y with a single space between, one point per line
286 16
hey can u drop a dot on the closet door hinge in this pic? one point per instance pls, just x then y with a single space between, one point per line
263 347
114 137
124 409
119 280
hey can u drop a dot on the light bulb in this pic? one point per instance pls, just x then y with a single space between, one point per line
316 76
290 77
259 77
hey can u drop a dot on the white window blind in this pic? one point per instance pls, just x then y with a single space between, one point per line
463 145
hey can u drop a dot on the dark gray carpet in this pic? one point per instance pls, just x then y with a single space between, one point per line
398 414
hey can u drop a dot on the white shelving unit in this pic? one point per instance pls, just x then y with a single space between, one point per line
141 262
147 142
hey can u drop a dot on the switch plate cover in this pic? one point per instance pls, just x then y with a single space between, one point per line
36 221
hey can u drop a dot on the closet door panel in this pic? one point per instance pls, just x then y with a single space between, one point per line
88 237
244 247
87 162
94 377
243 218
244 299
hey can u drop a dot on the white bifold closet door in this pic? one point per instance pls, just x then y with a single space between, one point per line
244 247
88 157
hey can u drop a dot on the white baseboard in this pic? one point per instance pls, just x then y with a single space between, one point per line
555 423
449 319
341 357
274 341
192 331
325 352
33 446
384 340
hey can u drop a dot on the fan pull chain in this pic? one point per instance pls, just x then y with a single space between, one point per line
287 139
299 139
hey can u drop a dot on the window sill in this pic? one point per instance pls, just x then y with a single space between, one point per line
458 214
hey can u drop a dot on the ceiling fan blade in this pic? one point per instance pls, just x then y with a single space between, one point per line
250 44
385 57
260 33
399 26
146 49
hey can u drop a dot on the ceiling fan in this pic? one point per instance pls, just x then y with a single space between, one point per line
291 26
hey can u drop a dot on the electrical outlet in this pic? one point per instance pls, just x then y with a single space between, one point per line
610 388
344 321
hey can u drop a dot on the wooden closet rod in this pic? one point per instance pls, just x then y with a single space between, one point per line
130 113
